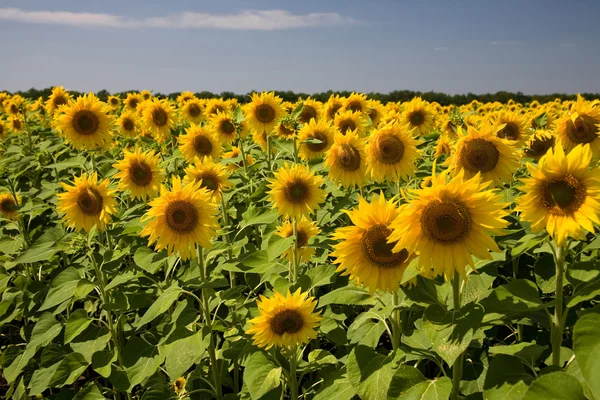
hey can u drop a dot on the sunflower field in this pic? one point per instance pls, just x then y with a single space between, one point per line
203 249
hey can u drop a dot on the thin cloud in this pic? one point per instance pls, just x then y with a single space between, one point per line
261 20
505 43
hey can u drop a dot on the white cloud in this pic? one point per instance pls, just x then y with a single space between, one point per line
505 43
264 20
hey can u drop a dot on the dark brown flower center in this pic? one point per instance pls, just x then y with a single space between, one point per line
59 101
308 113
16 124
583 130
373 114
348 157
140 173
539 147
202 145
510 132
114 101
128 124
479 155
160 117
563 196
133 103
416 118
181 216
85 122
285 131
333 110
265 113
14 109
216 109
318 147
193 110
446 221
389 149
346 125
297 192
227 128
89 201
302 238
286 321
355 105
208 181
8 206
378 250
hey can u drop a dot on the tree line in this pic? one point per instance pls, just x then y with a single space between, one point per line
395 96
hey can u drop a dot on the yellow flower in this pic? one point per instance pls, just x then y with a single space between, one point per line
159 118
234 153
448 223
512 127
181 218
85 123
213 106
347 160
4 128
321 131
200 142
419 115
184 97
375 111
444 146
580 126
364 252
9 209
192 111
350 120
146 94
356 102
132 101
332 106
311 109
87 203
305 231
211 176
59 97
391 153
539 143
295 191
562 194
223 125
127 124
263 112
16 123
140 174
284 321
114 102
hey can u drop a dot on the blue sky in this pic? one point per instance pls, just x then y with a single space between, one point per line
536 46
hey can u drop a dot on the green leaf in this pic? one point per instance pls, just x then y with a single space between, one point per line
101 362
370 372
62 288
506 379
353 295
545 273
365 331
160 305
141 359
70 368
278 245
149 260
408 383
91 392
182 350
321 357
43 248
257 216
556 386
528 353
93 339
517 297
450 331
585 278
476 288
77 323
336 387
586 345
321 275
75 162
260 375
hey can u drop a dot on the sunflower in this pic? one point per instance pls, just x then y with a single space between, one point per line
444 146
9 209
16 123
85 123
449 128
305 230
114 102
539 143
315 139
580 126
181 218
347 160
295 191
542 119
375 111
449 222
356 102
4 128
391 153
212 176
235 153
285 129
513 127
132 101
14 105
562 194
199 141
332 106
260 138
364 252
349 120
193 111
146 94
482 151
263 112
213 106
59 97
311 109
224 126
419 115
140 174
284 321
87 203
184 97
127 124
159 118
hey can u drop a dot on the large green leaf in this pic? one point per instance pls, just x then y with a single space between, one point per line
149 260
528 353
182 350
370 372
78 322
141 359
160 305
408 383
586 345
336 387
62 288
347 295
506 379
556 386
261 376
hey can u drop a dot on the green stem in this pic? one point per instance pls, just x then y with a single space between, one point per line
227 238
294 275
292 381
268 151
205 308
396 322
457 368
557 319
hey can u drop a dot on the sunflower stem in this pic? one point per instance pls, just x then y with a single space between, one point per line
205 307
396 322
294 276
457 368
557 319
227 238
293 380
268 151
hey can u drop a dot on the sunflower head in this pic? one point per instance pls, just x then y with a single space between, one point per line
114 102
539 143
184 97
561 194
193 110
315 139
87 203
419 115
295 191
224 126
350 120
311 109
85 123
214 106
127 124
4 128
132 101
444 146
159 118
16 123
211 176
58 97
140 173
199 141
332 106
356 102
263 112
375 111
181 219
146 94
284 321
511 126
347 160
580 126
305 230
9 208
